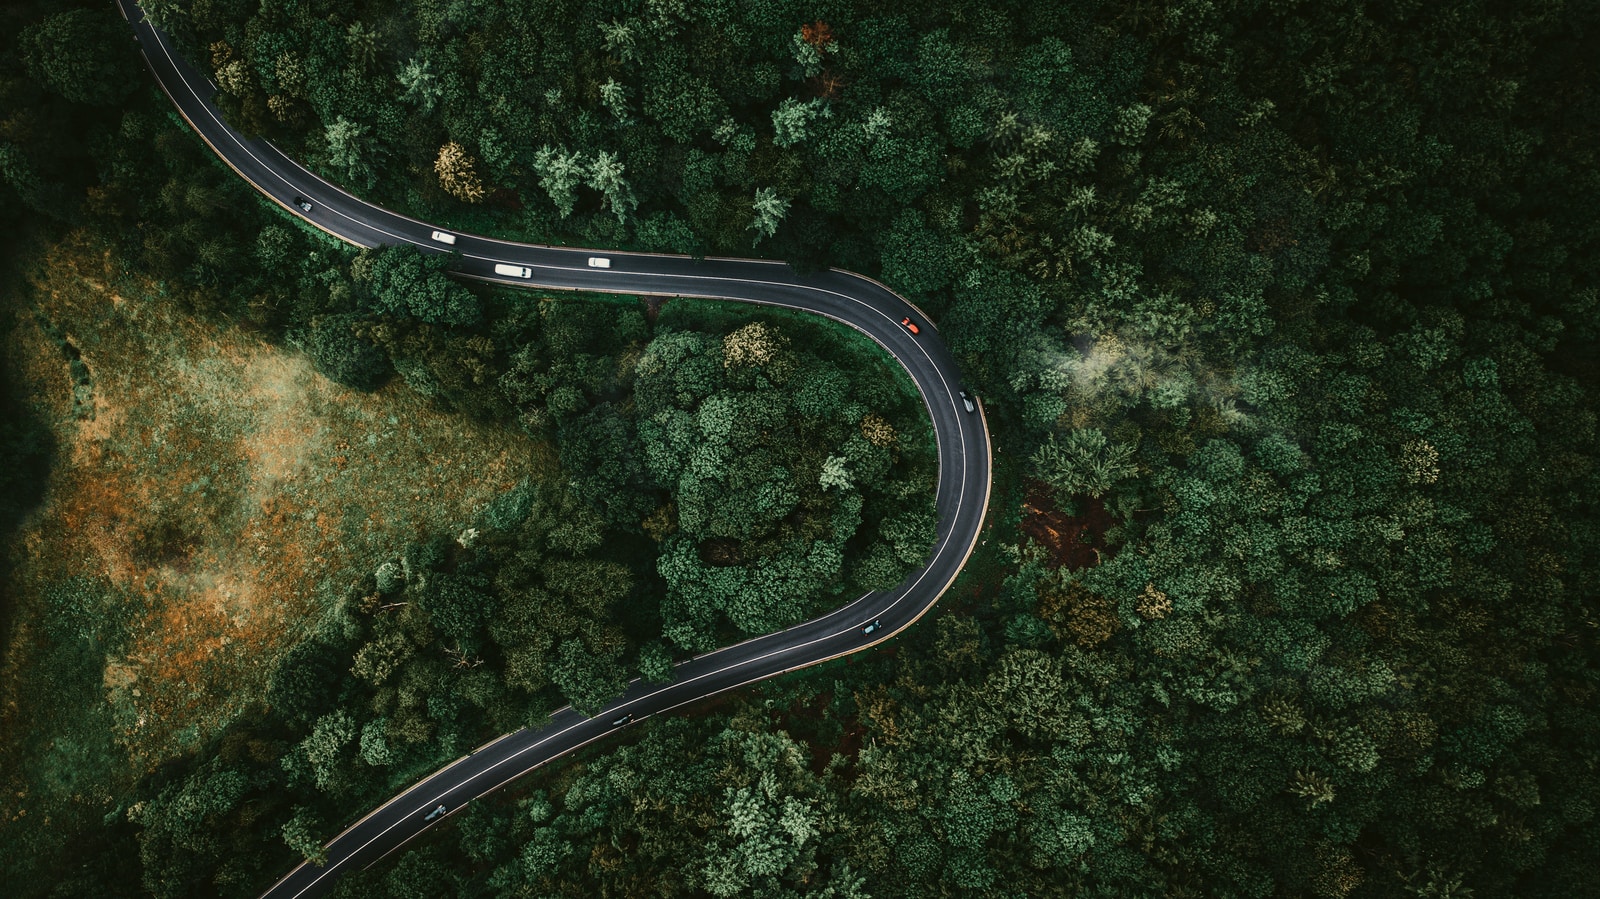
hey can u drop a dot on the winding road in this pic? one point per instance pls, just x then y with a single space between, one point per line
860 302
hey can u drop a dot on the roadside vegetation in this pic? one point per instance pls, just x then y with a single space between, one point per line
294 524
211 496
1284 316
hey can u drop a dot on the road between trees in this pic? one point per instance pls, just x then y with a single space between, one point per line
857 301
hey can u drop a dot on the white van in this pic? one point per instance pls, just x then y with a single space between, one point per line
513 271
599 262
442 237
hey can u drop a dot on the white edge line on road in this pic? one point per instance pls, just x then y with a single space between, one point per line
943 545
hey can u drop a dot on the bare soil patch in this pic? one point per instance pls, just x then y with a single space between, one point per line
1073 541
222 490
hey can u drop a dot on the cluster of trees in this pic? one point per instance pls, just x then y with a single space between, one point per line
731 807
561 593
1305 295
653 547
760 454
442 644
26 451
87 142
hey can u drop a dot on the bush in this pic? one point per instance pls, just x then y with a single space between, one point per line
345 357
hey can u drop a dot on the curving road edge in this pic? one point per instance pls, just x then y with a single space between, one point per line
860 302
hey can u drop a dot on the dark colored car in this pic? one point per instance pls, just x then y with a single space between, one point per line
434 814
625 719
911 326
967 401
872 627
303 203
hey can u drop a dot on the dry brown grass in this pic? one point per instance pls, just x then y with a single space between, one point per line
227 489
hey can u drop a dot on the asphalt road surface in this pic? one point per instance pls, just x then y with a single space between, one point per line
861 303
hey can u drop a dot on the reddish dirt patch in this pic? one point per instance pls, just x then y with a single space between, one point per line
1073 541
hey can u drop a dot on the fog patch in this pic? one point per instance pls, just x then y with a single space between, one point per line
1115 369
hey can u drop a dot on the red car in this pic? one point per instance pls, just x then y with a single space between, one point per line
911 326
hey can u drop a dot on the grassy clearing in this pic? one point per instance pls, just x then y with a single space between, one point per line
212 494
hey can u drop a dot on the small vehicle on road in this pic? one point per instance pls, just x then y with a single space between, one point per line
873 627
599 262
911 326
435 813
967 401
513 271
622 719
303 203
445 237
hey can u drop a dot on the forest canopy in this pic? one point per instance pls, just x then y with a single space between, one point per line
1283 315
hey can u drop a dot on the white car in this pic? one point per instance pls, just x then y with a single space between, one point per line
444 237
599 262
513 271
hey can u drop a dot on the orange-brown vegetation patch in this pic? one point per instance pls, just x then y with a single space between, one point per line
1072 541
818 34
225 490
1076 613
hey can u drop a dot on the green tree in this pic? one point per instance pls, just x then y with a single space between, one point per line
375 749
619 39
42 195
319 755
350 151
792 121
404 281
655 663
768 831
182 830
588 680
1083 463
304 684
362 42
422 87
300 833
605 175
457 606
83 55
164 14
560 173
770 210
614 96
345 357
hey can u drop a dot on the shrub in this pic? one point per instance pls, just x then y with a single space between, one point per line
345 357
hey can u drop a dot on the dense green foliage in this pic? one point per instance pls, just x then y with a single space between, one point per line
1303 292
552 596
26 447
559 594
66 53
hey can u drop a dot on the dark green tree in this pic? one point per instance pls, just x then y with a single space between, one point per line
344 356
85 55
